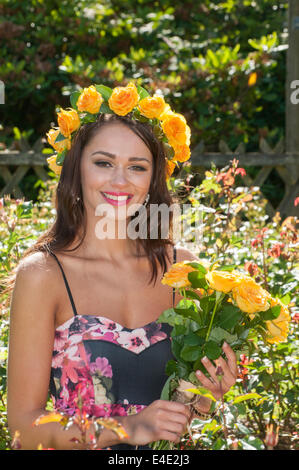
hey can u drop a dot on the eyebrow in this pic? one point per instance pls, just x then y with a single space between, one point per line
111 155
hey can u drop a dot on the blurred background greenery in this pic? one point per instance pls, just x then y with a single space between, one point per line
220 63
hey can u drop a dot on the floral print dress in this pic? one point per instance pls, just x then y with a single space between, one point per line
113 369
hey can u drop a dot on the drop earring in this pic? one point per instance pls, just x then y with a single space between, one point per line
146 200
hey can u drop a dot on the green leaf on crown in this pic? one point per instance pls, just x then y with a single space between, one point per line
137 115
168 150
74 98
60 157
105 91
60 137
105 108
142 92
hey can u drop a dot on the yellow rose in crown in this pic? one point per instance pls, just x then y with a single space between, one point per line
170 166
90 100
175 127
123 99
68 121
53 165
182 153
152 106
58 146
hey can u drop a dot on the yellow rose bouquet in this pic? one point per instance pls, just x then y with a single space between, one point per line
219 304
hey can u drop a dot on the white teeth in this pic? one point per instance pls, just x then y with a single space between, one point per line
116 198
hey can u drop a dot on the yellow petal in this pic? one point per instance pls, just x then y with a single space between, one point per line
49 418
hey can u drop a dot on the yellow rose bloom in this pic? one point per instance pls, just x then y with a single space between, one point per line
152 106
279 327
166 112
90 100
182 153
123 99
58 146
68 121
53 165
177 276
223 281
176 130
249 296
170 166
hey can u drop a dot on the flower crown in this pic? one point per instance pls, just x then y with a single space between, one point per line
169 127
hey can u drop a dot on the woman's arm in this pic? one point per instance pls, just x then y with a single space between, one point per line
32 320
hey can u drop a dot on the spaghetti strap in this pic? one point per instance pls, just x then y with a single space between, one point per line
174 261
66 284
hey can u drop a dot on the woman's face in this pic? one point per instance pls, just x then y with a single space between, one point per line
116 169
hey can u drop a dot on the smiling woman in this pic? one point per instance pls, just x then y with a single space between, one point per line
84 311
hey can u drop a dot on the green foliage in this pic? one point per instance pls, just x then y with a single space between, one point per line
200 55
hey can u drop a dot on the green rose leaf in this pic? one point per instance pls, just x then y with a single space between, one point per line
192 339
197 280
192 295
188 313
227 267
212 350
228 316
190 353
219 334
271 313
196 265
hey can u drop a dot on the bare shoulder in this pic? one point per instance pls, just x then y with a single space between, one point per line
36 267
36 279
183 254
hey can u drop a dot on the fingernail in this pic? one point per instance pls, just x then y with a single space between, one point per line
198 372
205 359
225 344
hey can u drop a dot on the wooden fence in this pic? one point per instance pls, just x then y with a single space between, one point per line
15 164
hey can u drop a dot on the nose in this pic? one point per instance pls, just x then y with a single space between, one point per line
119 178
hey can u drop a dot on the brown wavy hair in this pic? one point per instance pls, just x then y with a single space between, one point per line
70 221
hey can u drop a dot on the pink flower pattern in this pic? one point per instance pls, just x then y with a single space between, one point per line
74 376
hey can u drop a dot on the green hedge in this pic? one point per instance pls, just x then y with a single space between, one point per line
200 54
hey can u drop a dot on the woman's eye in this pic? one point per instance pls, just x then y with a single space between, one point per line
139 168
135 167
102 163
